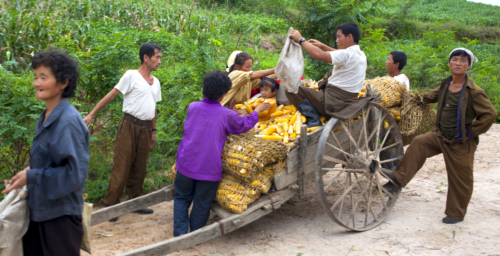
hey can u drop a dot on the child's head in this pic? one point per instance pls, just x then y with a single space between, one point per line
268 88
215 85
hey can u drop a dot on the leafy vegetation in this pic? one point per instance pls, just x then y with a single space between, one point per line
197 37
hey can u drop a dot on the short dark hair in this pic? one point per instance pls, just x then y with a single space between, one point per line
460 53
216 84
399 57
240 59
62 66
350 29
269 82
148 49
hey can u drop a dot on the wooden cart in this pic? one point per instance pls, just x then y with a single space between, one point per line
342 158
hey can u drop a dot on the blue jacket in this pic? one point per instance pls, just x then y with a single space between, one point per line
59 163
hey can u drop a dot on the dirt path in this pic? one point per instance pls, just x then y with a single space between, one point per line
414 226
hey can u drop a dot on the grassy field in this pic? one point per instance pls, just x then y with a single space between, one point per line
105 38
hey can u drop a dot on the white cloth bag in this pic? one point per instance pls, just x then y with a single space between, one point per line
290 68
14 222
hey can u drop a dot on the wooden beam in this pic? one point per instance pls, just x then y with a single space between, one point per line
165 194
302 159
178 243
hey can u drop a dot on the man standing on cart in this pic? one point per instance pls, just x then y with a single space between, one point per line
463 113
340 97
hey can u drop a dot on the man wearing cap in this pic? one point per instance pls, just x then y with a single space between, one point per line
463 113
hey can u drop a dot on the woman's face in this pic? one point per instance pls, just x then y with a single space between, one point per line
46 86
459 65
247 66
266 92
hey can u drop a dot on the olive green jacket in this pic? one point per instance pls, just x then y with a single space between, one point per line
477 112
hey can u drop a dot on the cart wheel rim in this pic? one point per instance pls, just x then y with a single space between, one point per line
354 195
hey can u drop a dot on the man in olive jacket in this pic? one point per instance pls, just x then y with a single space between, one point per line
464 112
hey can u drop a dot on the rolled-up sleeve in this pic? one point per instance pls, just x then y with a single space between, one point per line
70 153
237 124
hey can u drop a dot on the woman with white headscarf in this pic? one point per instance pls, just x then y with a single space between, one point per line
463 113
243 78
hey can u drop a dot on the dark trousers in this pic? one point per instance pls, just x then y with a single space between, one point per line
187 190
459 161
132 145
59 236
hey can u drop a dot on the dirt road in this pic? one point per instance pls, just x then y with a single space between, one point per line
414 226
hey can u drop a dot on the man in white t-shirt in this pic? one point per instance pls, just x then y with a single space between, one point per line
394 64
340 97
137 129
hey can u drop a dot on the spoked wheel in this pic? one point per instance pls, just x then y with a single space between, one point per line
349 170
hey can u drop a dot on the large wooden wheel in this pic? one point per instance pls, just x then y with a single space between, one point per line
348 168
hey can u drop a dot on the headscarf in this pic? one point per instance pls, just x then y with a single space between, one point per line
471 55
231 60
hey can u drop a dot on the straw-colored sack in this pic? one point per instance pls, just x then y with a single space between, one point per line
416 119
234 196
391 90
14 222
86 218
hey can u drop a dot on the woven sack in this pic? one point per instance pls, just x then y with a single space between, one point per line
245 155
390 89
416 119
234 196
14 221
86 220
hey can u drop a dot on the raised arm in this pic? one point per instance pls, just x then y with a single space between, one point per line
102 103
315 52
261 73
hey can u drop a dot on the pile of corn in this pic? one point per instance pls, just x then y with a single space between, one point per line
249 165
281 123
310 84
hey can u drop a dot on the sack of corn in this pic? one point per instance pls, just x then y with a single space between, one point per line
263 181
173 172
233 195
391 90
244 155
416 119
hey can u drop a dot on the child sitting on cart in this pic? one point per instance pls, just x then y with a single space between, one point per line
268 88
199 163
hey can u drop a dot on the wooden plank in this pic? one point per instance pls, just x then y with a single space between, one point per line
178 243
292 160
217 209
166 194
257 210
302 159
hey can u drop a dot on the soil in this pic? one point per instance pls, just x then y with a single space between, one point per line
300 227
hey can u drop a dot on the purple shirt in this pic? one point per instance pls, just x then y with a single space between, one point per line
205 132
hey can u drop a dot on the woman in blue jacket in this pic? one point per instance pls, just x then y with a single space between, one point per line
58 164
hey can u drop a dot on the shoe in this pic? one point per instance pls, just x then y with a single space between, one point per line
451 221
113 219
390 186
312 116
144 211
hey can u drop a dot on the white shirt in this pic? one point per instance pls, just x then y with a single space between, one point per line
403 79
139 98
349 69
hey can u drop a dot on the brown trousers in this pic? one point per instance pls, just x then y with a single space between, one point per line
459 161
132 145
315 97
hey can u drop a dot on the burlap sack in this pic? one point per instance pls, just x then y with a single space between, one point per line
86 217
14 222
290 68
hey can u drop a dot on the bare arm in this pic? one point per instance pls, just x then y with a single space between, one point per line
261 73
312 50
101 104
321 45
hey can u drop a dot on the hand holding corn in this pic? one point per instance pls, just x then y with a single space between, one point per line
262 107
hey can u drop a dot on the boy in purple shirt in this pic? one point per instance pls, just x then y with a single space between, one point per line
199 163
